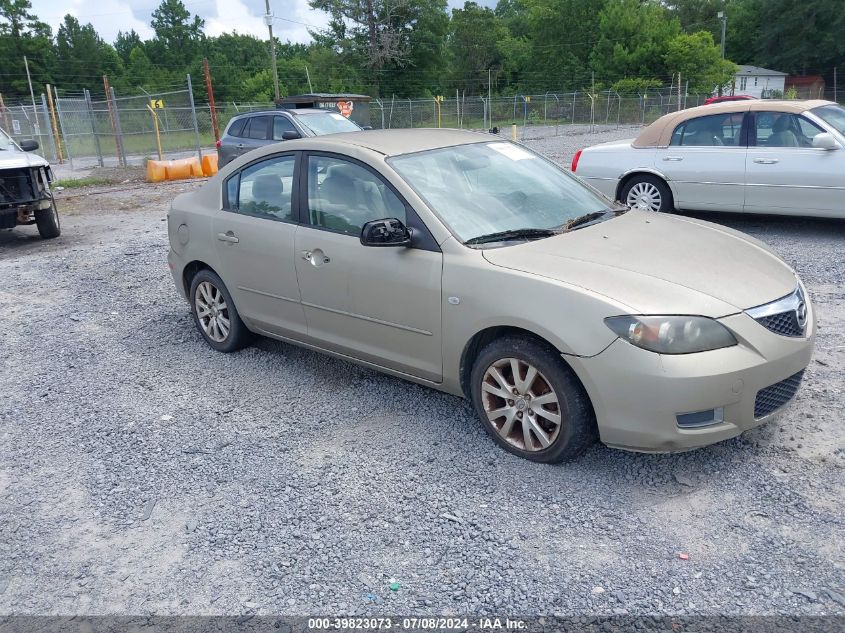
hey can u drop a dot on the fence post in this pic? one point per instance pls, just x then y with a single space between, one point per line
94 127
53 123
574 96
194 117
211 105
411 110
49 127
120 145
62 126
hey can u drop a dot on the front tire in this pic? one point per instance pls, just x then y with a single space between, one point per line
648 193
530 402
215 314
47 221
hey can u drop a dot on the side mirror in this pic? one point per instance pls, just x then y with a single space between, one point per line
825 141
290 135
30 145
386 232
366 127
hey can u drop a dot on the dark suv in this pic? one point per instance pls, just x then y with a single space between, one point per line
255 129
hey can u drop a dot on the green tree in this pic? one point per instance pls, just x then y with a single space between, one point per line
23 34
178 35
699 61
139 69
82 55
124 43
473 44
632 41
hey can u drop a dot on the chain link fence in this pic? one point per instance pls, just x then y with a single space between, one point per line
109 129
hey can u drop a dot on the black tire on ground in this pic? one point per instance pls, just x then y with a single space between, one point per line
237 336
650 185
47 221
577 430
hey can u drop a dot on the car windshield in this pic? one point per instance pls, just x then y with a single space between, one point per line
486 189
327 123
833 115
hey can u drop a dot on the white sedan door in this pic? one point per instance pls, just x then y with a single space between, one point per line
705 163
785 174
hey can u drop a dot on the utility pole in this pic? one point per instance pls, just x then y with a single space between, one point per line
211 105
723 18
268 20
32 94
490 95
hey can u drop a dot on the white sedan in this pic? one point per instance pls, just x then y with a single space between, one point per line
780 157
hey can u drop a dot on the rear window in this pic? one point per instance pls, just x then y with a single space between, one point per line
237 128
707 131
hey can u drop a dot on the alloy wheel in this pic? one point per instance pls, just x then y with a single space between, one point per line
212 311
521 404
645 196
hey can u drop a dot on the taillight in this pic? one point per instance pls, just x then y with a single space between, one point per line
575 160
219 142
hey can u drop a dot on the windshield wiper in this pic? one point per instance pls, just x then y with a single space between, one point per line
585 219
512 234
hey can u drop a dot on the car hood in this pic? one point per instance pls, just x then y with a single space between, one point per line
16 160
658 264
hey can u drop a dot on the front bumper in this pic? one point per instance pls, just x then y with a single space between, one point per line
637 394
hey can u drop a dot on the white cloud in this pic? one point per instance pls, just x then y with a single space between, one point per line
293 17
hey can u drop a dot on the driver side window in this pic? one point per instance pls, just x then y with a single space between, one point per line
343 196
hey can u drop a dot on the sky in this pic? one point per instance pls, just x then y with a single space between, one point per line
292 20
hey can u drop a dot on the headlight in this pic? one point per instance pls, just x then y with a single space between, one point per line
672 334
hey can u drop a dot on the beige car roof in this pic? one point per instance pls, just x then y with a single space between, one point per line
659 133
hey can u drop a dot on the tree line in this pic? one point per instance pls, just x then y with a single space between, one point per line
418 48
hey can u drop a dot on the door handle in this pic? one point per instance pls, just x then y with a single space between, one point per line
673 158
316 257
766 161
228 236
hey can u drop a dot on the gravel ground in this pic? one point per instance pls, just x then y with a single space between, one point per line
144 473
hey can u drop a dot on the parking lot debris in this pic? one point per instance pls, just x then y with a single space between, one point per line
166 418
451 517
148 509
191 525
395 586
598 590
676 591
683 556
372 597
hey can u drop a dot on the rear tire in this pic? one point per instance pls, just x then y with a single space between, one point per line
648 193
47 221
530 401
215 314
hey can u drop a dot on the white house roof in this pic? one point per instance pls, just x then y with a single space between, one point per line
759 72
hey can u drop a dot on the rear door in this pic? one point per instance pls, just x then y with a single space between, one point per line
786 174
256 133
255 233
705 162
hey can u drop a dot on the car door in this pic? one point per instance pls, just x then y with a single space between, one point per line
256 133
786 174
381 305
255 235
705 162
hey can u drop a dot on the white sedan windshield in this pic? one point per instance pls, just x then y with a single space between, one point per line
833 115
489 188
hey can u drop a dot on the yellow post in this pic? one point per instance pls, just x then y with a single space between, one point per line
53 123
513 131
158 136
437 100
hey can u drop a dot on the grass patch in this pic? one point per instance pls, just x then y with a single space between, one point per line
88 181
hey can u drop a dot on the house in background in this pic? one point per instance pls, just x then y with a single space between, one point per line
809 87
758 82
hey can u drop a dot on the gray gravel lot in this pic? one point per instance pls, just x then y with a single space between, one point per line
142 472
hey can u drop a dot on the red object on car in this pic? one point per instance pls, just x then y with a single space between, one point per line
218 143
575 159
724 98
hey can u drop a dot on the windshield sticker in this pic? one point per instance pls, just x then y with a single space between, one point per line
514 152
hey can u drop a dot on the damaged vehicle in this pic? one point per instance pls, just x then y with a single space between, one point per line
25 196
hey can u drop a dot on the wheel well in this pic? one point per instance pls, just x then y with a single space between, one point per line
627 178
190 272
481 339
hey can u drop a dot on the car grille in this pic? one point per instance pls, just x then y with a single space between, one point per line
787 316
774 397
783 323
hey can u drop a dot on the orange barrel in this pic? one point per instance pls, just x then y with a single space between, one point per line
156 171
178 169
209 164
196 168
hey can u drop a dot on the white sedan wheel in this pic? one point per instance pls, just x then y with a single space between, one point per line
644 195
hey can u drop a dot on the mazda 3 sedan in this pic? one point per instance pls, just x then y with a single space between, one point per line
479 268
